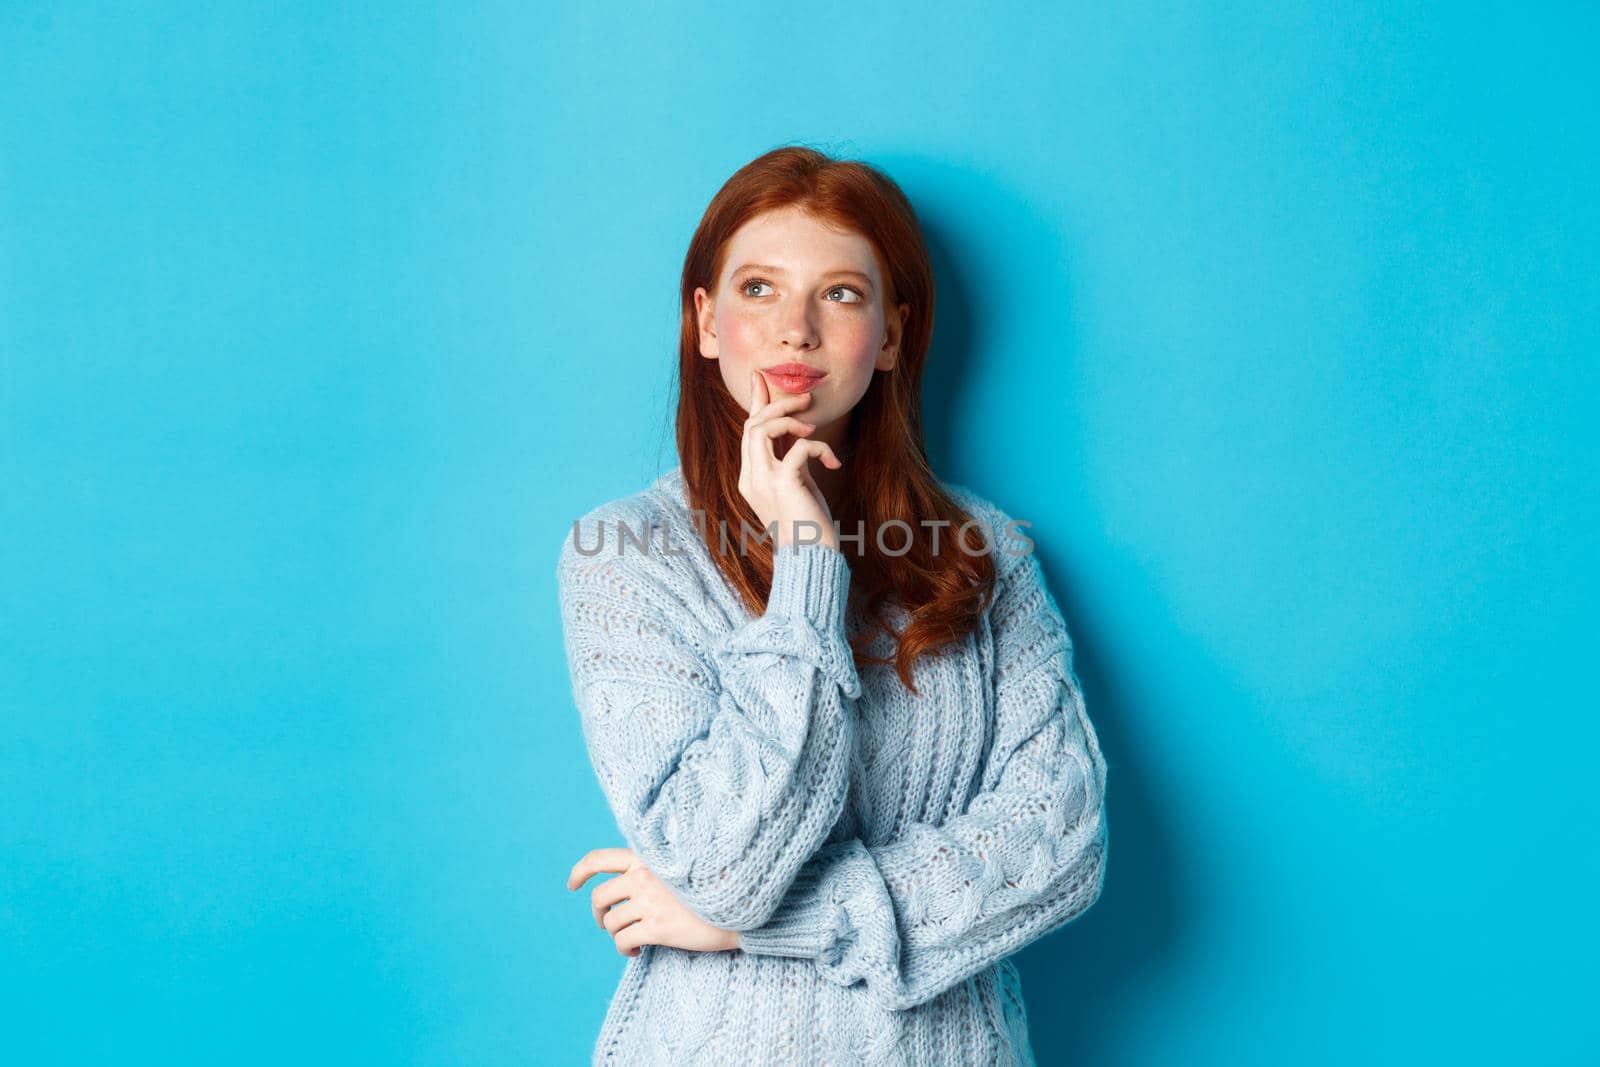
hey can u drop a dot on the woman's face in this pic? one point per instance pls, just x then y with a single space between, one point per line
796 291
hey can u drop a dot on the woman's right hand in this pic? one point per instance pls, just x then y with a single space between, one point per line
782 490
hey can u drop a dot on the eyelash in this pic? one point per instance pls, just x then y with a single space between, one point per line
861 297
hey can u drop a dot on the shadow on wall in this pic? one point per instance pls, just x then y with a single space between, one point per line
1081 978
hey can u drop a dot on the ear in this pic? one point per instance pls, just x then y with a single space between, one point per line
894 331
705 310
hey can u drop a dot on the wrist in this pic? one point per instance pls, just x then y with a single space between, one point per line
804 532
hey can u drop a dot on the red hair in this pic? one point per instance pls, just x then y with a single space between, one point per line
886 460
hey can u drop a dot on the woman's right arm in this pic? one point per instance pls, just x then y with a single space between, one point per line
724 758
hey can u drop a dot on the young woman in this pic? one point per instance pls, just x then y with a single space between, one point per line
850 759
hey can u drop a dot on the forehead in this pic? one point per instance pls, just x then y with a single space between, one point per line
803 244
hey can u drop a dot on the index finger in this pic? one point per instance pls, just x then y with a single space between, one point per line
758 392
599 861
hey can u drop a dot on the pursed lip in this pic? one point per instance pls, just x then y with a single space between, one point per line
796 370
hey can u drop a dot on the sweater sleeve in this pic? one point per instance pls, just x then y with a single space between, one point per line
918 914
724 758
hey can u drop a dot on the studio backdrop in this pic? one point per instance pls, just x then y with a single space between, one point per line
321 324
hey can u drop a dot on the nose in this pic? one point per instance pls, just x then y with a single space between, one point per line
796 329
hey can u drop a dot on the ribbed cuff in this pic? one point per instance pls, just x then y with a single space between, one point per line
806 924
802 935
810 582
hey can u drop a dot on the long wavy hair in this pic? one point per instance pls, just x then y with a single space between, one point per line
888 475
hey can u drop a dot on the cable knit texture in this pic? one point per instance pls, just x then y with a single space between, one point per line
881 853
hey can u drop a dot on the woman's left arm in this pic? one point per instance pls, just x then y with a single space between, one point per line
917 915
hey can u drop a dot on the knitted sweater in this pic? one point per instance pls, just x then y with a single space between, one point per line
881 853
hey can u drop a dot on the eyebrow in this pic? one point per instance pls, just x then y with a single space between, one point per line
765 269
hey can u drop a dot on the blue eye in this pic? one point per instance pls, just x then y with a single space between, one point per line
858 297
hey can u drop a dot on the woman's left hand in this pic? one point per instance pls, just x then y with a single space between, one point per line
650 913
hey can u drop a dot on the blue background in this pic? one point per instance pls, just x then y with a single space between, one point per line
319 327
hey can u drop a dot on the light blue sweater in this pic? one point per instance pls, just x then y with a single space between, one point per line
881 853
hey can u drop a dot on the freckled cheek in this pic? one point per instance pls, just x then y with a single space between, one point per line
742 335
855 357
855 344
